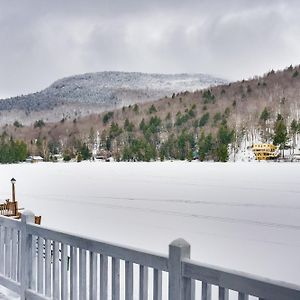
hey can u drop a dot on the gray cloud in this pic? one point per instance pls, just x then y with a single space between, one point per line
42 40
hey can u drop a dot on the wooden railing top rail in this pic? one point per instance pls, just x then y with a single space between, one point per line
240 281
149 259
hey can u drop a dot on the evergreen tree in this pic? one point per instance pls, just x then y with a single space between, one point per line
169 149
185 143
280 133
190 155
205 146
39 124
294 130
204 120
114 130
92 136
136 108
225 135
12 151
222 152
152 109
139 150
265 115
128 126
142 125
208 97
17 124
107 117
85 152
224 138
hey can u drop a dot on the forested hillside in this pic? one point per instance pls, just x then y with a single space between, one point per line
209 124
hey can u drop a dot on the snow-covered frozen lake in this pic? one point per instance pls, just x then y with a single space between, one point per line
243 216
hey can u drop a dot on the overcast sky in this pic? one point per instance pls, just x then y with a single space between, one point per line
44 40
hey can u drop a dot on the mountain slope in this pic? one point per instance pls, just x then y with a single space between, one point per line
217 123
95 92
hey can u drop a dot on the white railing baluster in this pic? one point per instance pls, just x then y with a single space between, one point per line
223 293
243 296
40 266
128 280
82 274
19 255
157 284
55 271
7 251
188 289
74 273
48 268
93 276
14 255
64 272
103 276
206 291
34 263
143 283
115 284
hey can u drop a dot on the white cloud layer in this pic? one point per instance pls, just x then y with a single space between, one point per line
42 40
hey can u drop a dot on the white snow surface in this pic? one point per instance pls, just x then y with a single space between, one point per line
242 216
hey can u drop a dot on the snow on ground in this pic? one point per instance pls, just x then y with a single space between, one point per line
6 294
243 216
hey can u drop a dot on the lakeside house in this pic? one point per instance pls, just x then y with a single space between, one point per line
265 151
34 158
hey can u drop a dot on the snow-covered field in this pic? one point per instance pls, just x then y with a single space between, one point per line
243 216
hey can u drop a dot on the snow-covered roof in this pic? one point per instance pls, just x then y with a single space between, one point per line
35 157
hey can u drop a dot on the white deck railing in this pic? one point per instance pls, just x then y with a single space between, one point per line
40 263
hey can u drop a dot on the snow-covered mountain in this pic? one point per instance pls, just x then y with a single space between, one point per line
95 92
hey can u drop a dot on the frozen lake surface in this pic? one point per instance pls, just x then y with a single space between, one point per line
243 216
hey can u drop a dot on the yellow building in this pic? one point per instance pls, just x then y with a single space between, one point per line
265 151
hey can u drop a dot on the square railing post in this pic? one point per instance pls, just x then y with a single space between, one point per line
26 253
180 288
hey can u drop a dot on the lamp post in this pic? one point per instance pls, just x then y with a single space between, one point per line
13 181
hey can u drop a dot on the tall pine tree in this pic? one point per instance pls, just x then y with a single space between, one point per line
280 133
